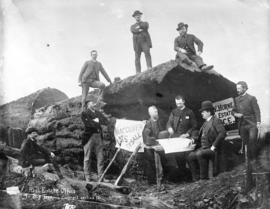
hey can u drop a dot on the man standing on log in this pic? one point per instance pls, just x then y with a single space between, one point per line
36 155
182 123
153 151
141 41
184 46
211 134
92 139
89 76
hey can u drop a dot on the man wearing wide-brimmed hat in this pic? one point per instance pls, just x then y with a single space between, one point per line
184 45
141 41
211 134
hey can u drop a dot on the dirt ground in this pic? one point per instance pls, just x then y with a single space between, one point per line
222 192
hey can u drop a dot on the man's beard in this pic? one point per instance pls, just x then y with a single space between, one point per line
240 93
155 117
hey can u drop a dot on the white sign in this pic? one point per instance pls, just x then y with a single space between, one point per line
224 111
128 134
173 145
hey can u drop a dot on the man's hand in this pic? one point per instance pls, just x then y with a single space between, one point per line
258 125
192 141
79 83
171 132
238 115
213 148
96 120
186 135
199 53
182 50
52 155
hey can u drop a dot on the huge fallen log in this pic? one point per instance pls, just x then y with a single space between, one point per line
130 97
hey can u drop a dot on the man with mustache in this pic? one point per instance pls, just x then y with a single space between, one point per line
184 46
247 111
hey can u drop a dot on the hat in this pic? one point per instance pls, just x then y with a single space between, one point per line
206 105
29 130
180 25
137 12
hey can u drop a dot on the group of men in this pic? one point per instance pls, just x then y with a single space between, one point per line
208 140
182 123
184 45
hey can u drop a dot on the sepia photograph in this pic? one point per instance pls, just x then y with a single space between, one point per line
134 104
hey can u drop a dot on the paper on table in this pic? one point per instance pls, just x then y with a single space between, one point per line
172 145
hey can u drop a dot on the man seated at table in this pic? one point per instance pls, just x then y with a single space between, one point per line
210 137
153 151
182 123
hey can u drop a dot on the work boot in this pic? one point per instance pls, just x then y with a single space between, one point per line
206 67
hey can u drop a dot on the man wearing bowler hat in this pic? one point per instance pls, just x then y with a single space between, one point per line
141 41
184 46
211 134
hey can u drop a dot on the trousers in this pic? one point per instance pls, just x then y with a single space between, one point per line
193 57
85 89
198 160
39 161
94 146
154 165
142 47
248 134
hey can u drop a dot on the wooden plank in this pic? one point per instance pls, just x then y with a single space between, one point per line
124 170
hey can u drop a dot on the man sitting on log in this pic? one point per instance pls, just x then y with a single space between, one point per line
153 151
184 46
36 155
92 139
211 134
182 123
89 76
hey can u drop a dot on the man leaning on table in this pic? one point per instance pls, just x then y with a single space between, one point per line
182 123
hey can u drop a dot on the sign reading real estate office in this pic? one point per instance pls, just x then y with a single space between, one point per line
224 111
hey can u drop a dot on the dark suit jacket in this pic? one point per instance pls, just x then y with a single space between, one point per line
90 126
141 37
187 42
150 132
215 134
30 150
182 121
248 106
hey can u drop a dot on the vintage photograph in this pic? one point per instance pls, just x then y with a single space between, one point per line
134 104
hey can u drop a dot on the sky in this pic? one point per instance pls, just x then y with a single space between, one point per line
44 43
